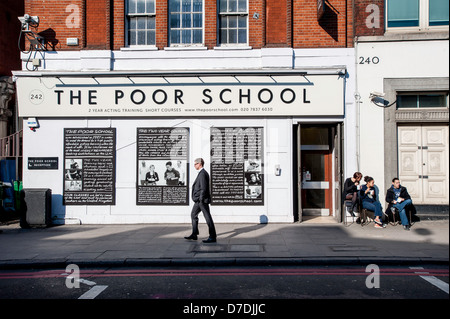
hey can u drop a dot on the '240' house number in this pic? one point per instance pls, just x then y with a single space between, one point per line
369 60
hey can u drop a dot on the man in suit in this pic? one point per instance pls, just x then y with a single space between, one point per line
201 197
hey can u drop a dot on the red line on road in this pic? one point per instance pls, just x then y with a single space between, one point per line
224 272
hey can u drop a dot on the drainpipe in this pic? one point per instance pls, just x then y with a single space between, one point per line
358 109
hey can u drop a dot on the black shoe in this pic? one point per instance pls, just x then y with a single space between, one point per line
209 240
192 237
406 227
358 220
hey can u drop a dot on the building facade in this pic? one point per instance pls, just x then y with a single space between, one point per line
405 57
127 93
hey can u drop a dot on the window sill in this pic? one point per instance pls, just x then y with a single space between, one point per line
139 48
186 48
406 35
233 47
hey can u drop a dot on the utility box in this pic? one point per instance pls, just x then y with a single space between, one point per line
38 206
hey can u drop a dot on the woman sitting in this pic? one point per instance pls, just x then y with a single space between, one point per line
369 198
351 186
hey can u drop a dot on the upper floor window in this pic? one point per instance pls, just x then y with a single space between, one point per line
438 12
141 24
233 22
421 14
422 100
186 22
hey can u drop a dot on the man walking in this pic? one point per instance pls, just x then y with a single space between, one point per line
201 197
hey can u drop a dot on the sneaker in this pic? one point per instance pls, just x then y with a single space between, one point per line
378 226
406 227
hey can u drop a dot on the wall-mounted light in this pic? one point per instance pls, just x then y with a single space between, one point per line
377 98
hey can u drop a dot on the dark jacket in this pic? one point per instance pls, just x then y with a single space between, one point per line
200 188
390 195
349 188
368 197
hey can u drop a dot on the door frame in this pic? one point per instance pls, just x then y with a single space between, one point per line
394 117
336 140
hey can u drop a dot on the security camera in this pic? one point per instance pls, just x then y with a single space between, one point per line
375 94
29 21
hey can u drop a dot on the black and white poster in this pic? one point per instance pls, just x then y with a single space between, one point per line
237 161
162 162
89 166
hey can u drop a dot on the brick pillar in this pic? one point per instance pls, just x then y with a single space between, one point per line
257 23
162 12
369 17
118 24
98 24
278 23
210 26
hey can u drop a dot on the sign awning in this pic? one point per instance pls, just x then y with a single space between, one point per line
179 96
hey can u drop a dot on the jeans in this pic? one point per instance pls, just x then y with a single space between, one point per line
374 207
401 208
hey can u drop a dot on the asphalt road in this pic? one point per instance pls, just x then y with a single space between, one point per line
232 290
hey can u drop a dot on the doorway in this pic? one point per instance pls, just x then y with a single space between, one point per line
423 162
317 173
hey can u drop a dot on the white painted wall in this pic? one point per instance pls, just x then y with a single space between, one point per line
397 59
47 141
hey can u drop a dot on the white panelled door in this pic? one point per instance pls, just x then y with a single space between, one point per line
423 163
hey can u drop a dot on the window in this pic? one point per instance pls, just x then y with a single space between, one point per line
418 14
422 100
438 12
233 21
141 22
186 22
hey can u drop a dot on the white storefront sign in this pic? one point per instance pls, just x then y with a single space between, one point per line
309 95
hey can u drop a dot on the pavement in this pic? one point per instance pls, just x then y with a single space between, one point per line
312 242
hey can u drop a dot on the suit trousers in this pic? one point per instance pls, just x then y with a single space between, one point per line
204 208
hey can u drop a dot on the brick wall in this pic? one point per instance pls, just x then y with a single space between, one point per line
257 23
369 17
100 24
59 20
278 31
333 29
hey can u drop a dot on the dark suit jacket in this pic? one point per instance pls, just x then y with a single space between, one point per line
200 189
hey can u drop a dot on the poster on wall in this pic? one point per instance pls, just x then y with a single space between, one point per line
162 166
237 162
89 166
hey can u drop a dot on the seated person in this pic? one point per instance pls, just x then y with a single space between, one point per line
369 198
351 188
398 198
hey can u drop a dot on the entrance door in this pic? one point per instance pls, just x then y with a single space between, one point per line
315 171
423 163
